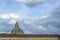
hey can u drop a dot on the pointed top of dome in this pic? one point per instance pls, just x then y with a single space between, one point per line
16 22
17 25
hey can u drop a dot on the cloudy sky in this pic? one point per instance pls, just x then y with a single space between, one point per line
33 16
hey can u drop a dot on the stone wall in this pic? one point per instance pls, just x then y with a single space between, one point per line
28 38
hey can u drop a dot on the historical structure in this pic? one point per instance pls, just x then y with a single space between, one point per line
18 34
17 30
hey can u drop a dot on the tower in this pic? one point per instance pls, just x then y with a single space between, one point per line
17 30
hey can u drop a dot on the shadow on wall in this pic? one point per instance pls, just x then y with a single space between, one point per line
59 39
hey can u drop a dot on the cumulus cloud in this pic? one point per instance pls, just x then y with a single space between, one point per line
10 15
4 16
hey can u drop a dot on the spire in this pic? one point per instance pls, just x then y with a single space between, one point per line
16 25
17 30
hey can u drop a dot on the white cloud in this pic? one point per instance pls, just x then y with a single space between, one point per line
12 21
28 22
42 28
41 17
11 15
5 16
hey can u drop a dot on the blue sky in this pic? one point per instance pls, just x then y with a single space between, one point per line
34 16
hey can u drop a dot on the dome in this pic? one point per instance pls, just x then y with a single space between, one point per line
17 30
